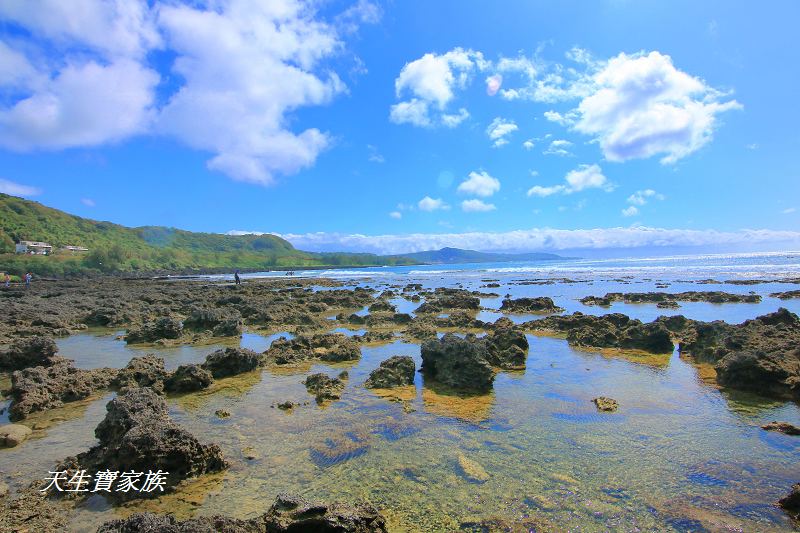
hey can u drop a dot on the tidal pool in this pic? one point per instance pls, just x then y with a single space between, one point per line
678 455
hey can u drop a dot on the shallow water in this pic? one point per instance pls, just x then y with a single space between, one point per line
679 455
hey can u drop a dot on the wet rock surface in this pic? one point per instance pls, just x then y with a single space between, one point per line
145 371
231 361
542 304
32 511
791 502
29 352
786 295
506 346
12 435
325 388
782 427
613 330
138 434
760 355
457 362
188 378
396 371
41 388
287 514
216 322
715 297
159 329
606 404
332 347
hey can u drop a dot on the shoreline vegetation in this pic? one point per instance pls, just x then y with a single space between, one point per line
158 251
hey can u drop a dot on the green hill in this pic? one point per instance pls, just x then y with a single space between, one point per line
115 248
457 255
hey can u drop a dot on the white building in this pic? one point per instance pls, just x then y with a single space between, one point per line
33 248
74 249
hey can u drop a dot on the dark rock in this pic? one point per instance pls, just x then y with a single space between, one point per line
162 328
222 413
221 322
457 362
760 355
382 306
40 388
189 378
394 372
541 304
138 434
791 502
145 371
231 361
787 295
782 427
331 347
716 297
323 387
506 347
285 406
152 523
293 513
28 352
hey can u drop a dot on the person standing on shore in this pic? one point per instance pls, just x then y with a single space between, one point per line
236 278
8 280
28 277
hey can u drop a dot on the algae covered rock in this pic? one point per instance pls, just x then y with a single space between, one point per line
457 362
394 372
138 434
542 304
12 435
188 378
471 470
293 513
791 502
331 347
161 328
506 347
231 361
29 352
606 404
145 371
782 427
323 387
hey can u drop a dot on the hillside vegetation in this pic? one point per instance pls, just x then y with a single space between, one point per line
116 248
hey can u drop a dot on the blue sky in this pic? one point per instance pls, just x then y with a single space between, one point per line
396 126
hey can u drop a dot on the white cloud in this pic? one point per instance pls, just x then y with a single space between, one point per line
630 211
542 192
559 147
499 130
454 119
432 81
545 239
396 215
17 189
643 106
563 119
414 112
641 197
529 144
583 177
88 202
789 211
474 206
479 184
432 204
240 68
493 84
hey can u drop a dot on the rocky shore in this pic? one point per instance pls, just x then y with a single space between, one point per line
458 351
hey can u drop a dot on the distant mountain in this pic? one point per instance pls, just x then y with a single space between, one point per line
456 255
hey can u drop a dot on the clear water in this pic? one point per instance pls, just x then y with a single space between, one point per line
679 455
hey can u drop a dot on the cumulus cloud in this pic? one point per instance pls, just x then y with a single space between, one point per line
789 211
528 144
476 206
499 130
18 189
579 179
643 106
432 81
559 147
641 197
479 184
432 204
396 215
630 211
542 239
239 69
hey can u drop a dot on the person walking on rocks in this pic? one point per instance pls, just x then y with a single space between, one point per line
236 278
